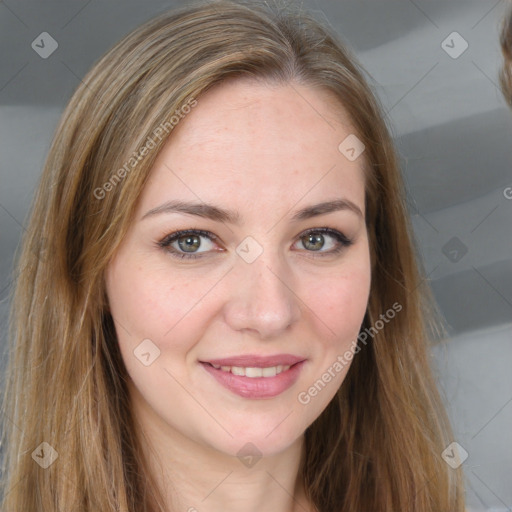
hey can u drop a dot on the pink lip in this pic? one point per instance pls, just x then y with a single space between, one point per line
258 387
254 361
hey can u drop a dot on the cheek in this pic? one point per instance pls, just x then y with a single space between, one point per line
348 299
152 302
135 298
339 302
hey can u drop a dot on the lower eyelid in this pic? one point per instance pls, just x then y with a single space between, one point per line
341 240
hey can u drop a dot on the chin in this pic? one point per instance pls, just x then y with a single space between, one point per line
256 443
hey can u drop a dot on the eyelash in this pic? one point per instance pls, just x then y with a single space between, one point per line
166 242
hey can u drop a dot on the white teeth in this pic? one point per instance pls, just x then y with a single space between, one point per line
252 373
269 372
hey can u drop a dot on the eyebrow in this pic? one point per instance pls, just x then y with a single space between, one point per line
215 213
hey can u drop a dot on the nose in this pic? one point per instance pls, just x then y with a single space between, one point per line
263 300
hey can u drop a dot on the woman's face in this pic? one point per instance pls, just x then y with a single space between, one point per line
238 333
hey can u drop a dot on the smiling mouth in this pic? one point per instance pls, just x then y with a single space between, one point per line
258 380
252 372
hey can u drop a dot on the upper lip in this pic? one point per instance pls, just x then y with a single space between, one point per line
254 361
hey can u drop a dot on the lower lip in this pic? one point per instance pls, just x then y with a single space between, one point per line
257 387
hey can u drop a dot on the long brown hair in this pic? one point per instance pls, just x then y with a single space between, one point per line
505 75
378 444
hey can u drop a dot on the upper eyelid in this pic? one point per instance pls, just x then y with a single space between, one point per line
172 237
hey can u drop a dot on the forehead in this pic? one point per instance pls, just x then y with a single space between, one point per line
267 111
249 141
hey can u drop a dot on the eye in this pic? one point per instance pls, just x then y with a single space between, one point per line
189 244
317 239
186 243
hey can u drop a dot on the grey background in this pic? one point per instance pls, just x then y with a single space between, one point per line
454 135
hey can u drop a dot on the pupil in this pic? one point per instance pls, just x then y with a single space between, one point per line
314 242
189 243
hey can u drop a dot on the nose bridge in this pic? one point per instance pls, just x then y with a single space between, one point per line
262 297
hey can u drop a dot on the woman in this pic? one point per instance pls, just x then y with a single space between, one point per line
225 311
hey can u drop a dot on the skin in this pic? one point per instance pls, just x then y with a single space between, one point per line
265 151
